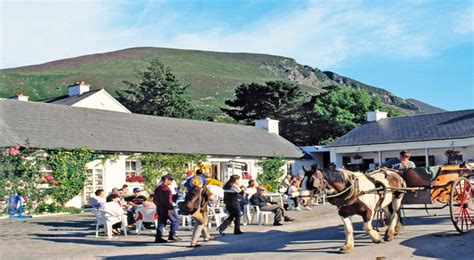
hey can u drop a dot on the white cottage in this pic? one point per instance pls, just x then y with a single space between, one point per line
429 137
94 119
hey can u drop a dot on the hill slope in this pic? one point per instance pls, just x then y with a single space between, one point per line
213 76
426 108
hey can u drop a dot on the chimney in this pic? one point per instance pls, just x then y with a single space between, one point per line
20 97
374 116
268 124
78 89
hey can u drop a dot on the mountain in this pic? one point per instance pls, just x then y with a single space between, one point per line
425 108
213 76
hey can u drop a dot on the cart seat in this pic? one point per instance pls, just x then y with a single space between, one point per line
421 176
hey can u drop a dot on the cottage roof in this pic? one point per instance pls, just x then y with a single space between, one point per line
416 128
59 126
70 100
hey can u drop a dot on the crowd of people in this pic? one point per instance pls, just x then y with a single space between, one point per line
198 196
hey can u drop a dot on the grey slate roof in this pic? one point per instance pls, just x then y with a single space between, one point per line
69 101
56 126
427 127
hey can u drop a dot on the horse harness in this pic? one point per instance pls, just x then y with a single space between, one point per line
352 191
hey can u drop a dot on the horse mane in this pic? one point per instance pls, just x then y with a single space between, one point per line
333 175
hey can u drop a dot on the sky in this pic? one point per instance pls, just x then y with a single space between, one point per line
414 49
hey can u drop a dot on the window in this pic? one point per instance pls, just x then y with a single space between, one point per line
94 181
131 168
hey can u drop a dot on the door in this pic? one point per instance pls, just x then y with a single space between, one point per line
94 181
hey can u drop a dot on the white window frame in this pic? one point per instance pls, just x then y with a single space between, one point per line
129 171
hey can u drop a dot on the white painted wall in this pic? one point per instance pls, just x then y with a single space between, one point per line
114 173
102 100
439 154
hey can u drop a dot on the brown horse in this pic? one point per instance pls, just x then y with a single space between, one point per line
357 194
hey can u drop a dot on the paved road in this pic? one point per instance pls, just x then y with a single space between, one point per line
316 235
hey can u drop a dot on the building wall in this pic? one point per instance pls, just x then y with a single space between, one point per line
466 149
102 100
114 173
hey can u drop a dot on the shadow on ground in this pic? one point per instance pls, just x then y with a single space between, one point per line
445 245
274 241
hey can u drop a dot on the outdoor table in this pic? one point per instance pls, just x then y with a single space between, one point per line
274 195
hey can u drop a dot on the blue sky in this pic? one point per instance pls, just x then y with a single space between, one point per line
419 49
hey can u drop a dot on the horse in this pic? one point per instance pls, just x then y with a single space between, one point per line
357 194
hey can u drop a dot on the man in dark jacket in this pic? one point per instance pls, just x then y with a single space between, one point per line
165 209
259 199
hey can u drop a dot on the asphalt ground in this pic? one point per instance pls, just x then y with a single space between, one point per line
316 234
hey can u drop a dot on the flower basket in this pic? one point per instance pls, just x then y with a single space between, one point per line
138 179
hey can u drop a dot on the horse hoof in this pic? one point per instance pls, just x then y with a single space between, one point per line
377 241
345 249
388 238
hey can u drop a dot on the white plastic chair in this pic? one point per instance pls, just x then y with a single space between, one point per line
263 216
216 215
147 216
320 197
102 220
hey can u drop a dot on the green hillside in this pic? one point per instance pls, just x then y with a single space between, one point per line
213 76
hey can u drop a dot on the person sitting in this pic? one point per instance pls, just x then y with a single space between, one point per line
124 191
293 194
251 189
259 199
114 212
149 204
98 199
136 200
403 163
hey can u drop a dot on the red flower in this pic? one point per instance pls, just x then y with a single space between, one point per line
4 153
22 157
14 151
16 147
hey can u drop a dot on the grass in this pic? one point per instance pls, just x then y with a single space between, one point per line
212 76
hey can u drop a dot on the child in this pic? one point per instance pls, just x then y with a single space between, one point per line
293 193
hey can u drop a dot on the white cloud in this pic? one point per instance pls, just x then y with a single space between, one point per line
40 31
325 34
465 21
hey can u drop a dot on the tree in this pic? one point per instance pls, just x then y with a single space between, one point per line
272 171
158 93
337 111
256 101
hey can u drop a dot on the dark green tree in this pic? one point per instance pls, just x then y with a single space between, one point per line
256 101
158 93
336 111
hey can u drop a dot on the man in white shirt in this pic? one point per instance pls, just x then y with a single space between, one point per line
113 212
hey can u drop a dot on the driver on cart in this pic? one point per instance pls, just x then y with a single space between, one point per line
403 163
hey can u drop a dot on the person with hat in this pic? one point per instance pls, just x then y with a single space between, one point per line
259 199
134 201
165 210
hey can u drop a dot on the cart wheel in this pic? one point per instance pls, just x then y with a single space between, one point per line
461 205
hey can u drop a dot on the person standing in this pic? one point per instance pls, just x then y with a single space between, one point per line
199 173
199 198
232 190
165 210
